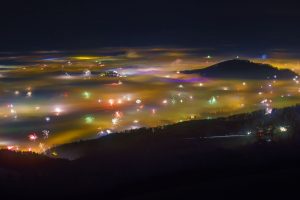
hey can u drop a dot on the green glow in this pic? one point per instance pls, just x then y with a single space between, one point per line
212 100
86 95
89 119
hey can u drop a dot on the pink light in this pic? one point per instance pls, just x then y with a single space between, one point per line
32 137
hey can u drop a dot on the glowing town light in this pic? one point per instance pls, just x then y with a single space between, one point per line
29 94
282 129
249 132
115 121
111 102
180 86
57 110
135 121
244 83
165 101
87 73
32 137
86 95
10 147
138 101
89 119
200 84
128 98
47 119
119 101
153 111
268 111
118 114
17 92
212 100
45 134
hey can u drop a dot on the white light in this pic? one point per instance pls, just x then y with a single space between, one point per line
282 129
29 94
138 101
114 121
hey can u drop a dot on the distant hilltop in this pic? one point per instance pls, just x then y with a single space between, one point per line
243 69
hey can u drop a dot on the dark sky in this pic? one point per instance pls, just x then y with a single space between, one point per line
42 25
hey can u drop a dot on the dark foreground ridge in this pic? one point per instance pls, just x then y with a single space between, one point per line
257 157
243 69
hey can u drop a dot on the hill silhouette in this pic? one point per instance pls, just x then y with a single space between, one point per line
243 69
174 161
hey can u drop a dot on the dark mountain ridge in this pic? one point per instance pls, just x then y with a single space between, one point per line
243 69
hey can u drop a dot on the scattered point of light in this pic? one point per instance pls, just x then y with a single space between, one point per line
264 56
86 95
57 110
115 121
282 129
138 101
153 111
119 101
212 100
111 102
87 73
45 134
118 114
32 137
10 147
89 119
29 94
268 111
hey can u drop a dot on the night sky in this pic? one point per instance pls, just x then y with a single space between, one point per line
49 25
